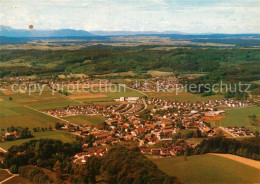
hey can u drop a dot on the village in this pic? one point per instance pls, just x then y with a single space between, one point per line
162 130
157 132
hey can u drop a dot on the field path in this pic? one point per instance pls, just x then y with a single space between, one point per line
13 175
222 128
136 90
8 179
3 150
47 114
246 161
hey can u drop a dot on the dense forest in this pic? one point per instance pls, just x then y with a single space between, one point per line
47 161
108 59
249 148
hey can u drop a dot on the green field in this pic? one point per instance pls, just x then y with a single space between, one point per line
256 82
84 119
112 94
156 73
65 137
207 169
239 117
182 96
46 99
14 114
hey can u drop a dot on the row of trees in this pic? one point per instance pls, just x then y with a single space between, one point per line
249 148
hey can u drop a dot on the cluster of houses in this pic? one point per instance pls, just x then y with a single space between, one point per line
156 84
240 131
9 136
82 157
212 104
165 120
81 109
94 109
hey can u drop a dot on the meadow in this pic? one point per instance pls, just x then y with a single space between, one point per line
15 114
256 82
182 96
109 94
239 116
46 99
65 137
207 169
156 73
85 119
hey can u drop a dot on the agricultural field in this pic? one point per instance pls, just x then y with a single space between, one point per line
155 73
182 96
129 73
207 169
15 114
107 94
240 116
256 82
85 119
38 100
65 137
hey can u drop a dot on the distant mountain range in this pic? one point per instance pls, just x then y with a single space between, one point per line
131 33
6 31
10 32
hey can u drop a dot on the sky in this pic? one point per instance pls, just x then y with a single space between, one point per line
189 16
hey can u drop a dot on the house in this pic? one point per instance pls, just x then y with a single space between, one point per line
132 99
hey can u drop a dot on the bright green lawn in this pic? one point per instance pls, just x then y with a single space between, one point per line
65 137
207 169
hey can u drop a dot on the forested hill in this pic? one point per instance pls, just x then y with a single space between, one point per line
101 59
45 161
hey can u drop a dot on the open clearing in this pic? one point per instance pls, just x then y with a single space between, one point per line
84 119
65 137
155 73
129 73
207 169
88 95
182 96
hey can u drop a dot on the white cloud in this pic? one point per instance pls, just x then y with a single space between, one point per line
193 16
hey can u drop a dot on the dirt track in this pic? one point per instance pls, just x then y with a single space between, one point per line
247 161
